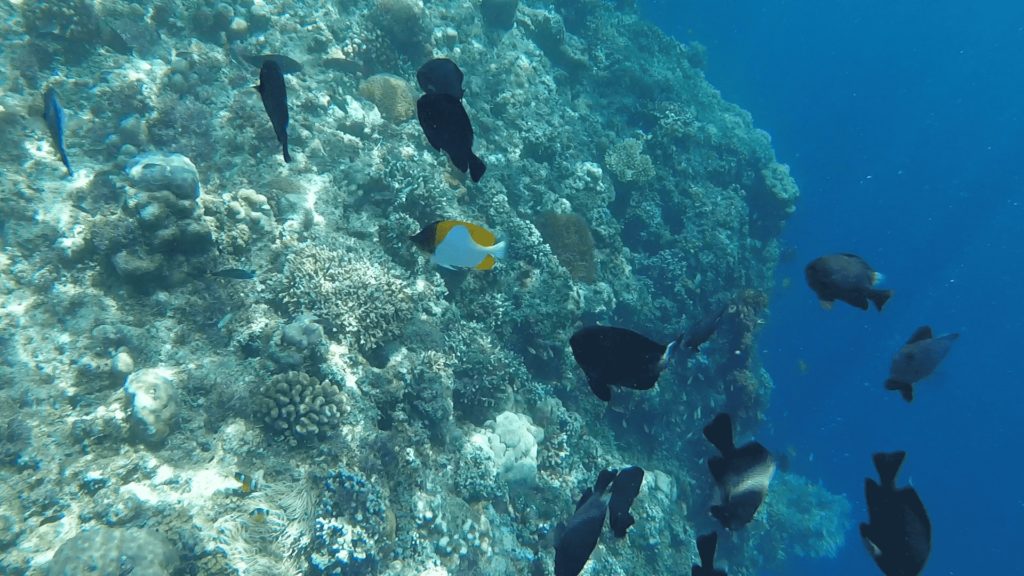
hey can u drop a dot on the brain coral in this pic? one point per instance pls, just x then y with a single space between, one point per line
366 300
392 96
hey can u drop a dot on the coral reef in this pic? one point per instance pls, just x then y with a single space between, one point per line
402 420
298 407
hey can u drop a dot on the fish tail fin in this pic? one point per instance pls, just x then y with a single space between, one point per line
67 163
476 167
888 466
719 433
706 546
906 390
287 156
499 250
880 297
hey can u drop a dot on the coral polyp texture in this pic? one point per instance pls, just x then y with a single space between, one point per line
187 309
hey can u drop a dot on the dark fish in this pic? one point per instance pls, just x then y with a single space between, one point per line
898 534
275 101
53 114
917 359
706 546
447 127
624 490
441 76
234 274
742 474
579 537
611 356
845 277
702 331
286 64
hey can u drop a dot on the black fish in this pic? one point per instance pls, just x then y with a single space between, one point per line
234 274
579 537
441 76
702 331
898 534
286 64
447 127
845 277
742 474
624 490
917 359
275 101
611 356
53 114
706 545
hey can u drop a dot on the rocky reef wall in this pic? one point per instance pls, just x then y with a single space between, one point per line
398 419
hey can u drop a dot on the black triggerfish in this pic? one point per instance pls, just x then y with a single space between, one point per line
275 101
447 127
846 277
440 76
742 474
898 534
917 359
624 490
578 538
612 356
53 114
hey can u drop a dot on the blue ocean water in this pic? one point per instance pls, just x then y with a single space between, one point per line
902 123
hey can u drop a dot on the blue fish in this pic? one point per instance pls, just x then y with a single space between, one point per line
54 116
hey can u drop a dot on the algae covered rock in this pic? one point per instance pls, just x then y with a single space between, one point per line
499 13
393 96
156 171
152 401
103 551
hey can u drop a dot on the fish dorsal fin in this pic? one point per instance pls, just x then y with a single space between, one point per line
479 234
888 466
922 333
706 546
604 479
719 433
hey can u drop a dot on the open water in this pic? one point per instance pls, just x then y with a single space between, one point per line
902 124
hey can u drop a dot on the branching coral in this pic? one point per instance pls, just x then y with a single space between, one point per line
628 162
366 301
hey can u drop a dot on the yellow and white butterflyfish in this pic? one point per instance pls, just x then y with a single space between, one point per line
455 244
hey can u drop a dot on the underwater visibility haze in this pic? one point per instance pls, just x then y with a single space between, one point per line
504 287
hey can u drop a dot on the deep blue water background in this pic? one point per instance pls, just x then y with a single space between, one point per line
903 125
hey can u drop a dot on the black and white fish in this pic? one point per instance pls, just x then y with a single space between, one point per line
578 538
917 359
53 114
706 546
898 534
624 490
447 127
742 474
846 277
275 101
